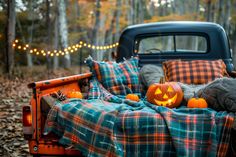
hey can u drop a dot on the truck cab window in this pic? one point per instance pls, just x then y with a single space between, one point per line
172 44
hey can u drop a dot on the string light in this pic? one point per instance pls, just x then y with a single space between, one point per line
67 50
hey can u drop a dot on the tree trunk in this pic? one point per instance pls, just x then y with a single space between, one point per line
132 11
56 39
10 36
180 6
227 16
63 31
96 28
197 9
140 11
151 9
220 12
213 8
118 13
48 40
208 11
102 39
160 8
173 6
30 30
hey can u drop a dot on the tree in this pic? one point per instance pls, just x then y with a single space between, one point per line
118 14
63 30
220 11
96 27
10 36
226 23
30 12
208 11
48 38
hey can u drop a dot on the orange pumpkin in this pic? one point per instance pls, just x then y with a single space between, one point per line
167 94
197 103
132 97
75 94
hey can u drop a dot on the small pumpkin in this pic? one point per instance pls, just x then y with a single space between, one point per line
75 94
167 94
196 102
132 97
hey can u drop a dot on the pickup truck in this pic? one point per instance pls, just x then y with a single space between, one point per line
153 43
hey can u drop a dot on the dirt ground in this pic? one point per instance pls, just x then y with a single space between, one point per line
13 95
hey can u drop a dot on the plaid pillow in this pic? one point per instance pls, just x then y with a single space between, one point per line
117 78
195 71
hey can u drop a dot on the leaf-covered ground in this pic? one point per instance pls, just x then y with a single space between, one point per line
13 95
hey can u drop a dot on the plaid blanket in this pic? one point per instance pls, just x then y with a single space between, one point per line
101 127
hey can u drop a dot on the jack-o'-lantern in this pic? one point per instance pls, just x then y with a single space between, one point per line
168 94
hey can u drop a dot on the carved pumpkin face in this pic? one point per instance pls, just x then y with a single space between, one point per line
168 94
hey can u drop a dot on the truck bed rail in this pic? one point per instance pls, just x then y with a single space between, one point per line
58 81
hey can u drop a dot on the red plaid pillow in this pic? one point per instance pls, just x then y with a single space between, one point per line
195 71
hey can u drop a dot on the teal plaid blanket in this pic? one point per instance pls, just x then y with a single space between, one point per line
111 126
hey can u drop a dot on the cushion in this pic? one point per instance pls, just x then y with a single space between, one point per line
220 94
195 71
117 78
150 74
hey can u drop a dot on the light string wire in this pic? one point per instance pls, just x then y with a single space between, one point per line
68 50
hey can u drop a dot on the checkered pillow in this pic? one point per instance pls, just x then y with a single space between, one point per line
195 71
117 78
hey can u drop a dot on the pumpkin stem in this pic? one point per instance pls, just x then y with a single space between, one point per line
162 80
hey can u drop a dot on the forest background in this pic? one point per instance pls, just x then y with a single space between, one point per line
36 33
44 39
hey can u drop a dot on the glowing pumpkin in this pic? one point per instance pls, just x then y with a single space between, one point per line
168 94
75 94
132 97
197 103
